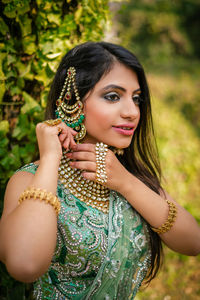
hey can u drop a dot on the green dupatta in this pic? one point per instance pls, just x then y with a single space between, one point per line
128 254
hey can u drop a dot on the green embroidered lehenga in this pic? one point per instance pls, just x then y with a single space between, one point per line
97 256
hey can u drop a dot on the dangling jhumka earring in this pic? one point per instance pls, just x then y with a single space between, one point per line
72 115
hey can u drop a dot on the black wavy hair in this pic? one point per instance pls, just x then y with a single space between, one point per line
92 60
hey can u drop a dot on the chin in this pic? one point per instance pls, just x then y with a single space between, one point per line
120 145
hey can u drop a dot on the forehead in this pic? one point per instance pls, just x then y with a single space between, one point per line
119 75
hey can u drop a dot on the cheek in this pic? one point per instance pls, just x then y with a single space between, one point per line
95 116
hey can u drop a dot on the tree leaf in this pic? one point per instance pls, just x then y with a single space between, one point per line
4 126
25 25
2 90
10 14
23 7
30 103
49 72
23 68
54 18
53 55
46 47
11 58
3 27
29 44
44 97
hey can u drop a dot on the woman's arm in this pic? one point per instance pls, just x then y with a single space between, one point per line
28 231
184 236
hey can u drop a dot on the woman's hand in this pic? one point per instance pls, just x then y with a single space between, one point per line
84 157
51 139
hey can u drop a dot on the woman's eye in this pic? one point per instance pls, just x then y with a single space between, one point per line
112 97
137 99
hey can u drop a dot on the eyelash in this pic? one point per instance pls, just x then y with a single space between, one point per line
136 98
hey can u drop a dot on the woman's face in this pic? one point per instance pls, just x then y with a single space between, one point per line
112 108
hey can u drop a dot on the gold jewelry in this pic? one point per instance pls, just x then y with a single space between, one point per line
170 220
42 195
88 191
72 115
118 151
101 151
52 122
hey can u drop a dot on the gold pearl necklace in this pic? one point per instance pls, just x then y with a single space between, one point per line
88 191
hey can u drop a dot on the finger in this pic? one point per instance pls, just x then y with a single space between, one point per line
66 129
66 143
69 142
84 165
85 147
65 133
73 131
89 175
72 142
82 155
62 137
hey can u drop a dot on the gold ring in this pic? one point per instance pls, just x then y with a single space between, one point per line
52 122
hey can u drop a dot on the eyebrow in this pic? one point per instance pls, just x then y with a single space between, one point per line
113 86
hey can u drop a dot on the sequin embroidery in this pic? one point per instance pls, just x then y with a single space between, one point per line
97 256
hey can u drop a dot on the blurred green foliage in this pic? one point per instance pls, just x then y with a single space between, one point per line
158 30
34 35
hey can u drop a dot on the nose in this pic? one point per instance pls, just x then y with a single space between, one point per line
129 109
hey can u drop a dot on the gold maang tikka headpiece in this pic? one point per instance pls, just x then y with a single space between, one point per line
71 114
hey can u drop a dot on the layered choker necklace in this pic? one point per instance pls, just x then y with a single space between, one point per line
88 191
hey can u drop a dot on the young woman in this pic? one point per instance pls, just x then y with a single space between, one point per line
100 237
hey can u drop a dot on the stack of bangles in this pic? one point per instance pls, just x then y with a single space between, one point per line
170 220
42 195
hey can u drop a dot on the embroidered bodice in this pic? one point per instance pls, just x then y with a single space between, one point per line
96 257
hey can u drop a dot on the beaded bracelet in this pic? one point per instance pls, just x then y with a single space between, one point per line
42 195
101 151
170 220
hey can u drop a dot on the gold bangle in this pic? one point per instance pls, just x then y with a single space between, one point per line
42 195
170 220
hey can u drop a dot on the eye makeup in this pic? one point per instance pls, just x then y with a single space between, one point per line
114 96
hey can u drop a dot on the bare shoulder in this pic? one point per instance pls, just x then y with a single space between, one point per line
16 185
